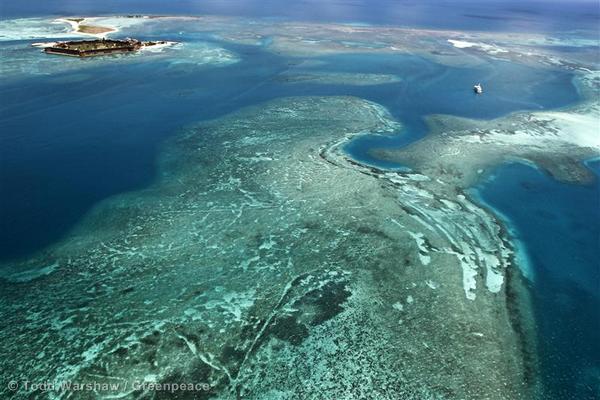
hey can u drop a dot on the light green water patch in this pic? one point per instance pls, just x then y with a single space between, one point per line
31 28
337 78
200 53
266 264
20 59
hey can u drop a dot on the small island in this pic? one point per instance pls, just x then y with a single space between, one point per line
80 26
97 47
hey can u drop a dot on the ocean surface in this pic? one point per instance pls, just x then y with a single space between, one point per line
558 224
488 15
54 167
69 140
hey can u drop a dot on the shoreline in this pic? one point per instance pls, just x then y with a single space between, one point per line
77 23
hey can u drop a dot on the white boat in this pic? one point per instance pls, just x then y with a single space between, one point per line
478 88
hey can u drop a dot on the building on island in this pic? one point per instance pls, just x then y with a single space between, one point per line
88 48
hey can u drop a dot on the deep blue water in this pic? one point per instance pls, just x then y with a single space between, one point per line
63 148
430 88
489 15
559 224
54 167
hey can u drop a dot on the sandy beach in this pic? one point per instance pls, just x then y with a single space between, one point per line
82 26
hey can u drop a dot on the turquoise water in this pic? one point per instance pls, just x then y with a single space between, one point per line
489 15
68 144
430 88
53 172
559 225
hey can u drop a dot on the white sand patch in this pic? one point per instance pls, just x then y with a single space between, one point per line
114 23
62 28
552 128
493 277
579 129
433 285
67 372
488 48
469 283
423 251
461 44
494 280
450 205
74 27
469 270
418 192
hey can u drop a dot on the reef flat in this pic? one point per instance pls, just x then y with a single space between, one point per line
337 78
263 259
267 264
311 39
81 26
459 150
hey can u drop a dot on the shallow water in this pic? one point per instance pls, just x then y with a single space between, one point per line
429 88
75 132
